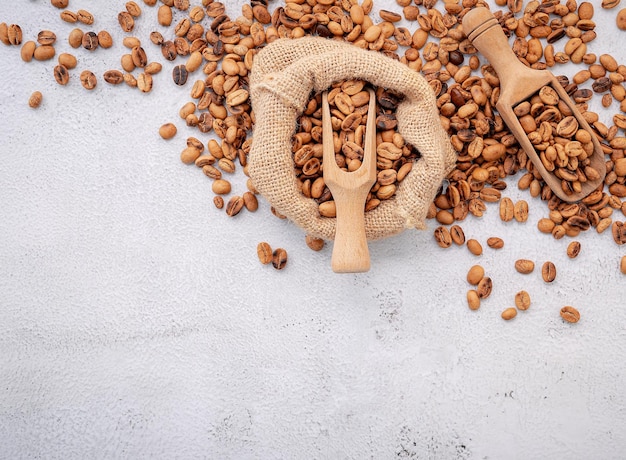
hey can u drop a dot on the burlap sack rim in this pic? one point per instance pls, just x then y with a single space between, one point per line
282 86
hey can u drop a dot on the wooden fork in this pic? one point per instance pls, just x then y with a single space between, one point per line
350 190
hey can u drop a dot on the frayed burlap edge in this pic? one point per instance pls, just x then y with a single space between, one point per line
282 78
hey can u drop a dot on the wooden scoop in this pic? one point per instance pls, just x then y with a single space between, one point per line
350 190
517 84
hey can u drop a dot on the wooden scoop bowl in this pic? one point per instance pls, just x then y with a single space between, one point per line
517 84
350 190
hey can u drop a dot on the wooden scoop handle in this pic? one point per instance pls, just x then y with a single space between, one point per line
484 31
350 250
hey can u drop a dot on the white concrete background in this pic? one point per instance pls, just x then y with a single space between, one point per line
136 321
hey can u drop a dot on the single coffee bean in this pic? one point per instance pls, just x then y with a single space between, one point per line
221 187
218 201
475 274
144 82
68 60
139 57
46 37
570 314
484 287
14 34
234 206
104 39
520 211
179 75
61 74
264 253
509 313
88 79
69 16
133 9
524 266
279 258
443 237
126 21
473 300
28 51
457 235
622 265
85 17
474 247
522 300
60 3
75 38
250 201
495 243
35 100
113 77
90 41
573 249
4 34
507 209
314 243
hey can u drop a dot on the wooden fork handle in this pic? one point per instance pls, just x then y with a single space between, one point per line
350 251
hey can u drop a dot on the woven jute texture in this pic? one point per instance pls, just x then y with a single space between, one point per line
283 76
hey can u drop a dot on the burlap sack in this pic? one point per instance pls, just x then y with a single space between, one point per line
282 78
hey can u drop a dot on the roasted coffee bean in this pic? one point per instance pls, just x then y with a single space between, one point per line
85 17
104 39
475 274
457 235
14 34
622 265
90 41
314 243
548 272
144 82
167 130
279 258
573 249
509 313
484 287
88 79
133 9
221 187
495 242
570 314
46 37
60 3
69 16
114 77
474 247
35 100
234 206
264 253
218 201
126 21
443 237
76 38
522 300
61 74
473 299
507 209
524 266
140 59
180 75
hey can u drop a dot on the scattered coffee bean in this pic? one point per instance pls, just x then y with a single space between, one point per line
264 252
622 265
314 243
279 259
113 77
509 313
524 266
473 299
475 274
90 41
61 74
474 247
484 287
180 74
126 21
35 100
88 79
457 235
570 314
548 272
495 243
234 206
573 249
522 300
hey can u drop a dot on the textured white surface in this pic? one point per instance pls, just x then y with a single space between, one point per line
136 322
